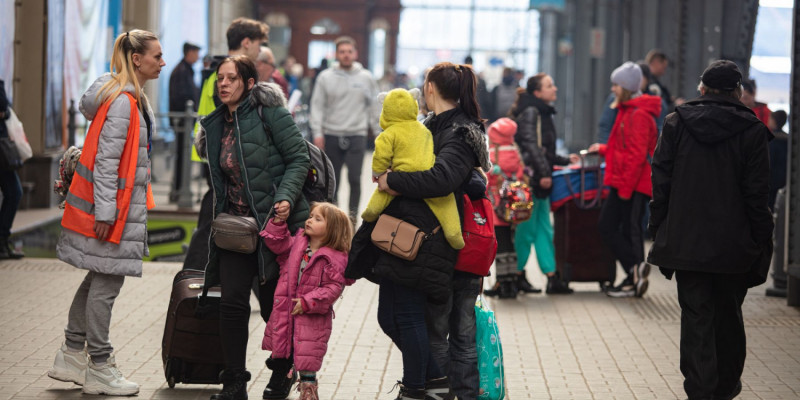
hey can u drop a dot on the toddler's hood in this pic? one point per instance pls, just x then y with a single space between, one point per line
399 105
502 131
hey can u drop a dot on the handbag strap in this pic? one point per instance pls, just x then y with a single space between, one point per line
433 232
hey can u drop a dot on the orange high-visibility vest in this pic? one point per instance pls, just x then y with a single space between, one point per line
79 206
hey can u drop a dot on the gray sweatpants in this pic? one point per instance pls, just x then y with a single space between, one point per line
90 314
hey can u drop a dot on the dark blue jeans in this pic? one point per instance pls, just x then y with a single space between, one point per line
401 315
451 327
12 194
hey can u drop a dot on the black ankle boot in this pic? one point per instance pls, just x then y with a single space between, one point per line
494 291
234 385
508 286
280 383
439 389
524 286
557 286
7 251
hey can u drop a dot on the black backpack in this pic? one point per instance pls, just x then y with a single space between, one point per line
320 183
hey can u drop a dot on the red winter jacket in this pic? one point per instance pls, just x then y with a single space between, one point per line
320 285
633 138
762 112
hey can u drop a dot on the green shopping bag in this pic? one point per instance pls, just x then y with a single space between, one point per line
490 353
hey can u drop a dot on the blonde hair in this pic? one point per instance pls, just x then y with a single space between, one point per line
340 228
122 68
626 95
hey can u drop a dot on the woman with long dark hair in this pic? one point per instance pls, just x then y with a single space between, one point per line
536 136
429 285
254 173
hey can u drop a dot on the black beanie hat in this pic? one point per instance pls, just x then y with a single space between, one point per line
722 75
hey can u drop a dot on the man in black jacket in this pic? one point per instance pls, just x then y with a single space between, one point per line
182 89
712 226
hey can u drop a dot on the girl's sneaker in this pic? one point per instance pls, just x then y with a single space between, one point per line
69 365
106 379
308 390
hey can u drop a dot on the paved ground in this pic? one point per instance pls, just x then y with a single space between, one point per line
584 346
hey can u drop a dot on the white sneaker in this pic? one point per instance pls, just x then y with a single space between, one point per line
69 366
106 379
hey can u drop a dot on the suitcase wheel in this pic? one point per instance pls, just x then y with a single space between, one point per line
168 372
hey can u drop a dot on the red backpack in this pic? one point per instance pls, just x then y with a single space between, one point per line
480 245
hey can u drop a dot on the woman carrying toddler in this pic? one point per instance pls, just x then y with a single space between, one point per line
406 145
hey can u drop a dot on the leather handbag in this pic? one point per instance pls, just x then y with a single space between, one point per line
235 233
399 238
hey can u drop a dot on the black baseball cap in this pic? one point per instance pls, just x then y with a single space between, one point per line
187 47
722 75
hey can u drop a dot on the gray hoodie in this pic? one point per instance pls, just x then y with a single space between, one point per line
344 102
88 253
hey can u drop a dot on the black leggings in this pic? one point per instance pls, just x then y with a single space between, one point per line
237 272
621 227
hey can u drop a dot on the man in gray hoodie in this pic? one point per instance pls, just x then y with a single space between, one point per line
343 108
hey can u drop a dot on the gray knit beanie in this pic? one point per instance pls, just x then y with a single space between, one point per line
628 76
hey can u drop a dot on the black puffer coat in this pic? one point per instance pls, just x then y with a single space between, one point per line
460 146
710 186
527 113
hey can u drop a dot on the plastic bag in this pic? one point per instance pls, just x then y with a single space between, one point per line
490 353
17 135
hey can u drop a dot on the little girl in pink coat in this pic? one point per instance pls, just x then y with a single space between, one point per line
312 264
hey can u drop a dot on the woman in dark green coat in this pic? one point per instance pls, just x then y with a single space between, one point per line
258 163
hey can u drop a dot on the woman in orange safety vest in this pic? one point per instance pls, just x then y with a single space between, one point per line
105 216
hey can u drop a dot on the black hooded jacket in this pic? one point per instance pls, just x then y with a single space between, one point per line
710 184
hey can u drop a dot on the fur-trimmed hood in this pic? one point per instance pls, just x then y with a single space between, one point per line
265 94
474 133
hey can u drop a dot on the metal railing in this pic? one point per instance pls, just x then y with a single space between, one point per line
182 125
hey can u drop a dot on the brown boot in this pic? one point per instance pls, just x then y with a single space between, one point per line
308 390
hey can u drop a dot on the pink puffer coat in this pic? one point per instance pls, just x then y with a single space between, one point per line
321 284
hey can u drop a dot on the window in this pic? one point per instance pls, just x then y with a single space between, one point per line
378 54
280 34
325 26
496 33
771 59
319 50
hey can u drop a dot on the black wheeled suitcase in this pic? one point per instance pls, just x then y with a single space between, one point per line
191 349
581 254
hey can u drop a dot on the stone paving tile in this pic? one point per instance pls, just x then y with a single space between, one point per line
584 346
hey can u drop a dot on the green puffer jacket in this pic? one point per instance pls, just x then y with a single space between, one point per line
274 167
